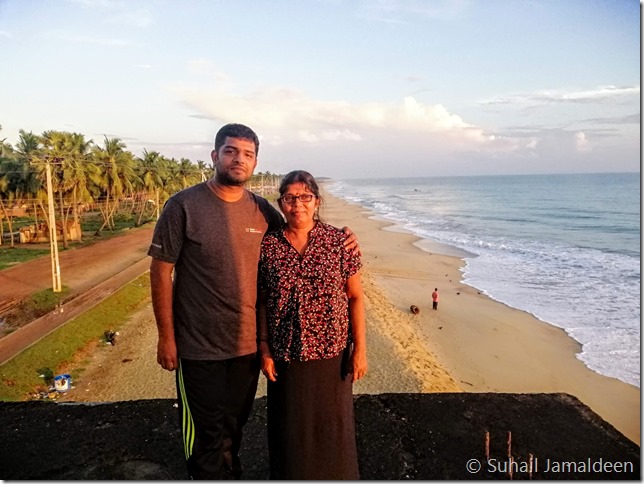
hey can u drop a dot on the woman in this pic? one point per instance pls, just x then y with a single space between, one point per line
311 339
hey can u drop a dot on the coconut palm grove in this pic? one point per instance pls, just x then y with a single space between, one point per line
95 187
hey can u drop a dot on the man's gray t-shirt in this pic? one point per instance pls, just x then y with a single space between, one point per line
215 247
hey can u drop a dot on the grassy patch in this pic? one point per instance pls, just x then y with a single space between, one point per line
37 305
17 223
43 302
58 351
11 256
92 222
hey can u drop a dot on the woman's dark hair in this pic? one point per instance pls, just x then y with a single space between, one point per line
303 177
300 176
236 131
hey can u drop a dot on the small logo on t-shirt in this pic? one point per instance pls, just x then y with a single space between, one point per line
253 231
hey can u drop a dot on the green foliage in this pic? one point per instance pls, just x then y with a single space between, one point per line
124 219
19 222
93 222
108 337
47 375
19 376
41 303
11 256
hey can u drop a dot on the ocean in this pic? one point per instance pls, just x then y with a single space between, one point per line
565 248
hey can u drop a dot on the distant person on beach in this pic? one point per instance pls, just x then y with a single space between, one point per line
210 235
311 328
435 298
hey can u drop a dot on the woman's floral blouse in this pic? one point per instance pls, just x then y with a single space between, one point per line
307 305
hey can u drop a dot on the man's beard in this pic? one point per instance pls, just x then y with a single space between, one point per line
226 180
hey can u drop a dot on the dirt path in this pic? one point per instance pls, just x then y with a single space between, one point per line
126 371
80 268
92 273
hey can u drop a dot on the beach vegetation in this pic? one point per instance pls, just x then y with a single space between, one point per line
37 305
62 350
11 256
101 188
42 302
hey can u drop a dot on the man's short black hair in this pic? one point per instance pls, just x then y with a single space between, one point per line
234 130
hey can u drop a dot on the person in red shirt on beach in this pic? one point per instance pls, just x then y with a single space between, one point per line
435 298
311 329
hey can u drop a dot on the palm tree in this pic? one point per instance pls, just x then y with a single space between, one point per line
5 193
59 151
205 171
78 170
173 181
51 153
28 147
153 169
188 173
28 144
6 150
117 178
17 182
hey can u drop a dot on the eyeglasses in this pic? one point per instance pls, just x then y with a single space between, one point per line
304 198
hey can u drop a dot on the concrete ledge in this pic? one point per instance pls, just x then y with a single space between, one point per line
400 436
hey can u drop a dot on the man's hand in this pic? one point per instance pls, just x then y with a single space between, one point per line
351 242
167 354
161 291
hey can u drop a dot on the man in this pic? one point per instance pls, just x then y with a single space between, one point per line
209 235
435 298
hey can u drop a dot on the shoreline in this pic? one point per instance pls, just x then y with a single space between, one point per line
481 344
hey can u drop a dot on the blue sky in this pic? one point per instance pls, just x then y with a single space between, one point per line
346 89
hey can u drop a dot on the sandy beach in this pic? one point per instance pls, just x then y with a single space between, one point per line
476 343
470 344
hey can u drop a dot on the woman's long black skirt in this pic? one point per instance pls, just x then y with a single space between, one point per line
311 424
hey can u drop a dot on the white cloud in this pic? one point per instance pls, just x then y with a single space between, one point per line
329 135
200 66
616 120
581 141
279 110
602 92
598 94
432 117
139 18
408 136
290 120
4 33
399 11
83 39
95 3
119 12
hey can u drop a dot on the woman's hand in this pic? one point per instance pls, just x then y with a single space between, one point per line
358 363
267 364
351 242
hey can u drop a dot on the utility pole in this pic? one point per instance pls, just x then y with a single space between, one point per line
53 242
